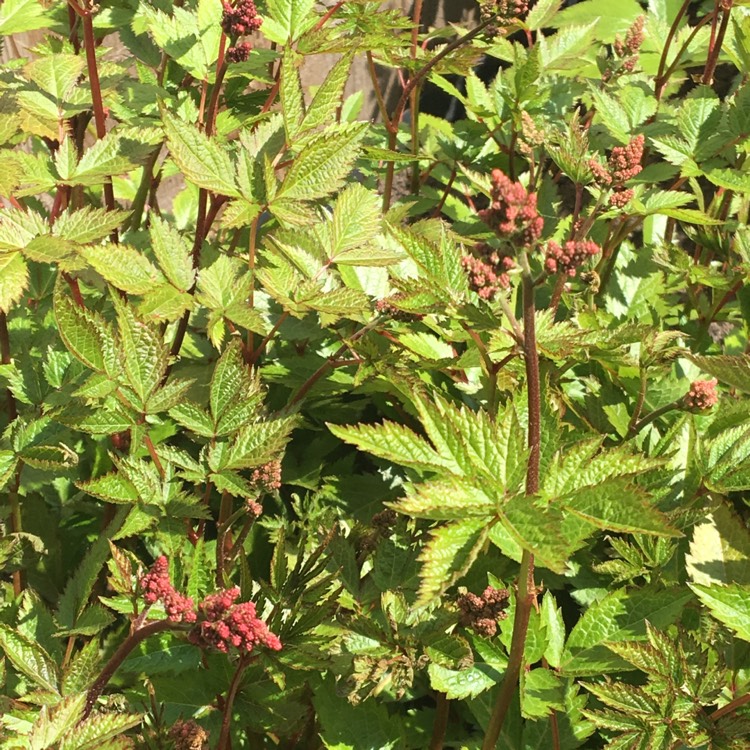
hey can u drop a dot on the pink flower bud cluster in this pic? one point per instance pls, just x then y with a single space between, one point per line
569 257
481 613
488 271
513 212
156 586
188 735
702 395
623 164
239 53
226 625
628 49
510 10
254 508
240 18
268 477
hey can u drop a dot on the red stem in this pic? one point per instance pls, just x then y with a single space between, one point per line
119 657
100 118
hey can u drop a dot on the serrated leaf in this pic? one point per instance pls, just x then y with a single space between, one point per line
55 74
290 93
355 223
29 658
165 303
131 271
114 488
75 598
94 733
14 278
145 352
322 165
258 444
17 16
619 616
52 723
445 500
448 555
394 442
82 669
203 161
328 97
118 152
88 224
287 20
232 379
173 253
728 604
719 550
193 417
83 332
617 505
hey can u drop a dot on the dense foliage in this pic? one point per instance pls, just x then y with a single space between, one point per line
325 433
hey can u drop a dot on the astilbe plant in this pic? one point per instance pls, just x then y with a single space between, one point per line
321 428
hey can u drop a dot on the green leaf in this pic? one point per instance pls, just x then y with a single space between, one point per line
258 444
118 152
173 253
202 160
94 733
17 16
84 333
355 224
189 35
450 552
75 598
618 505
728 604
232 381
322 165
287 20
53 723
82 669
447 499
29 658
328 97
543 531
56 74
132 272
145 352
165 303
14 278
113 488
394 442
541 692
292 97
619 616
719 549
194 418
88 224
